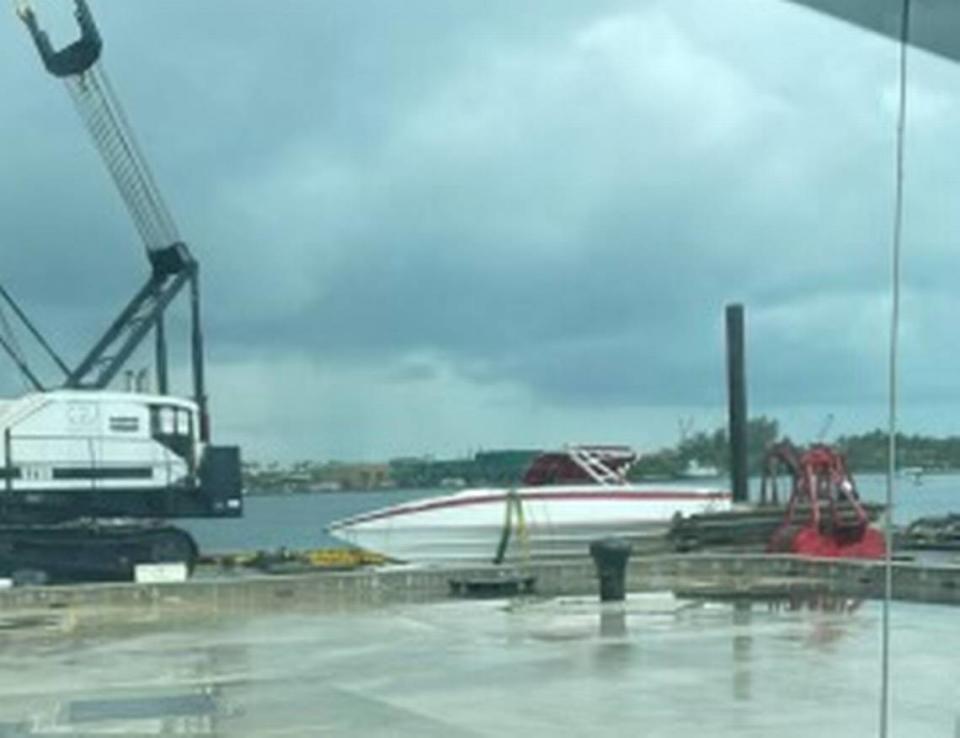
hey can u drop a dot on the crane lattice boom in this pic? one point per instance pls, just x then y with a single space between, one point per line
78 65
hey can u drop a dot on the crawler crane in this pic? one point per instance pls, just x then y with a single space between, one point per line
79 455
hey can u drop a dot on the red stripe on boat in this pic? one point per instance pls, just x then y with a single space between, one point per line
459 502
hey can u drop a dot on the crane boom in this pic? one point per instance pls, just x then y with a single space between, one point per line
173 268
78 64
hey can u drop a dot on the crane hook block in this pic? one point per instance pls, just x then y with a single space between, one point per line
74 59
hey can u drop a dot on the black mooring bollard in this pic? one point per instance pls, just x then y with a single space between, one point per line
610 557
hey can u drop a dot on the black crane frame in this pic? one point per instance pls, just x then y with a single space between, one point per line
145 312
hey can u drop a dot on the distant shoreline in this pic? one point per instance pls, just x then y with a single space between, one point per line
722 479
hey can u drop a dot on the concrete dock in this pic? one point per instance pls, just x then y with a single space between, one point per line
213 595
656 665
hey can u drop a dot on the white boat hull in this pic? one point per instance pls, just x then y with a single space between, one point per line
529 522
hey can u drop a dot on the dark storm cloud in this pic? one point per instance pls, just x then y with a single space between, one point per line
573 215
558 195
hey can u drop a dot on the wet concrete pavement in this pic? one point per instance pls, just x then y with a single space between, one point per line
657 666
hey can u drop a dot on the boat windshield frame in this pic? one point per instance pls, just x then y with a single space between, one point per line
601 465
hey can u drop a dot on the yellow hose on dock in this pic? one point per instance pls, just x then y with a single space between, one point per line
344 557
317 558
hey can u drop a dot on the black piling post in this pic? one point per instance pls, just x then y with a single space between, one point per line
610 557
737 395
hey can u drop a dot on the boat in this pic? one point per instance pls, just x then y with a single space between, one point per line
566 500
695 470
914 473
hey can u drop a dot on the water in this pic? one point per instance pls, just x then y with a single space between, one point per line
298 521
937 494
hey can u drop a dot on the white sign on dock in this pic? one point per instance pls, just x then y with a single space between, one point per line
160 573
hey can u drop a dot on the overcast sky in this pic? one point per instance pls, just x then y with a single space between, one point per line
435 227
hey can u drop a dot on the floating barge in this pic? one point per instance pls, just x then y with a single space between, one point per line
746 528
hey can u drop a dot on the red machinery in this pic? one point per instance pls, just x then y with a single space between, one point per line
824 515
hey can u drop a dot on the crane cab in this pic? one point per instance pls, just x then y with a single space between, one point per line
141 452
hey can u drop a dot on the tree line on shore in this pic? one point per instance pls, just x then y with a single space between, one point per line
703 452
865 452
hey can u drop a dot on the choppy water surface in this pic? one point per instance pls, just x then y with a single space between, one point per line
298 520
